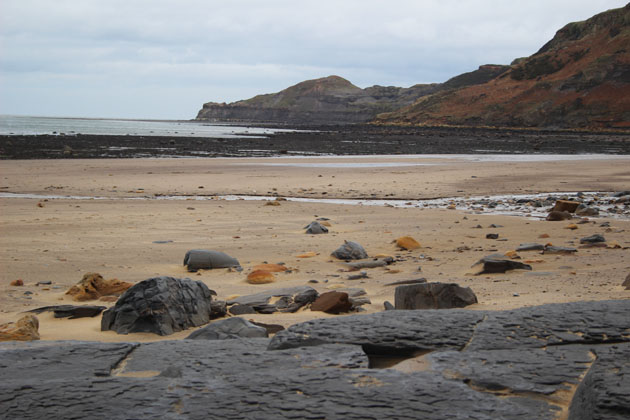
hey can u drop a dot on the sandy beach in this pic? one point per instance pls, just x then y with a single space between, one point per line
60 239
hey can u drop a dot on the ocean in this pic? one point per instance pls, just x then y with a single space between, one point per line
30 125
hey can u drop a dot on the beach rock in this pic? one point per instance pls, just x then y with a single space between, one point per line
272 268
350 251
290 299
18 282
228 328
92 286
241 310
501 266
315 228
407 243
558 250
197 259
556 216
359 265
25 329
218 309
626 282
332 303
71 311
530 247
584 210
433 296
592 239
160 305
492 236
565 205
572 226
260 277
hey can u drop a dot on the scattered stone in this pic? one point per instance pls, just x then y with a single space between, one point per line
501 266
313 281
433 296
592 239
350 251
43 283
332 303
168 241
271 328
218 308
197 259
495 226
92 286
556 216
572 226
558 250
565 205
290 299
272 203
228 329
492 236
272 268
388 306
512 254
355 266
71 311
401 282
361 275
25 329
584 210
621 193
241 310
160 305
359 301
315 228
626 282
18 282
407 243
307 255
530 246
543 236
260 277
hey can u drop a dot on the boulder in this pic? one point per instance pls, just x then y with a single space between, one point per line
407 243
71 311
160 305
556 216
25 329
228 328
501 266
433 296
332 303
92 286
316 228
592 239
565 205
350 251
290 299
260 277
584 210
197 259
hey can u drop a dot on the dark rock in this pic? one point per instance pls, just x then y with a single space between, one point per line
271 328
559 250
565 205
350 251
401 282
388 306
584 210
433 296
530 247
71 311
228 328
241 310
626 282
197 259
556 216
592 239
332 303
290 299
43 283
621 193
218 308
359 265
492 236
160 305
316 228
353 291
501 266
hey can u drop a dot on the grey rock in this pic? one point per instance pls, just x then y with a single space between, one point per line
361 275
359 301
556 216
197 259
559 250
316 228
71 311
492 236
228 328
433 296
584 210
388 306
491 265
621 193
241 310
592 239
530 247
218 308
489 258
290 299
160 305
350 251
271 328
359 265
626 282
402 282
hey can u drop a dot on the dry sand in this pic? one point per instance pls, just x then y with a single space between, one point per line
66 238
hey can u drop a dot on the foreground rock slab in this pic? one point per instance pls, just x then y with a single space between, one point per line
553 361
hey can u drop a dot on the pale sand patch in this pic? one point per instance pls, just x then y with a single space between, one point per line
66 238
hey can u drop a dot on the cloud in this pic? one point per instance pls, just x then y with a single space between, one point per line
188 52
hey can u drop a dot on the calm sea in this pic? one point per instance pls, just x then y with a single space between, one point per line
25 125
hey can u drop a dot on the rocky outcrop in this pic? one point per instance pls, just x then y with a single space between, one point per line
568 360
160 305
93 286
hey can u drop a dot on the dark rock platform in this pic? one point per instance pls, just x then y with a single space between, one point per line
553 361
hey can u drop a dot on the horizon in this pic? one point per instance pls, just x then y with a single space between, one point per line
153 61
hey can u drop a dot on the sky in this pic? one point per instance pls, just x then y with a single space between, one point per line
162 59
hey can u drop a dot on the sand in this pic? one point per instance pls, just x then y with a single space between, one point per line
61 239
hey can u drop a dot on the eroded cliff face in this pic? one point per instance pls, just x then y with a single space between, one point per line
579 79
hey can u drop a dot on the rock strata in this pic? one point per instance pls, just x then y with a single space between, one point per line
160 305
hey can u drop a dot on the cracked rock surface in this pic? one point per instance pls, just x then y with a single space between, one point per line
554 361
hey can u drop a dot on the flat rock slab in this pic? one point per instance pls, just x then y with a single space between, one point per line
290 299
519 364
71 311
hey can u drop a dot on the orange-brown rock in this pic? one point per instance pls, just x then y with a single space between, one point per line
260 277
309 254
272 268
565 205
25 329
407 242
543 235
93 286
272 203
18 282
332 303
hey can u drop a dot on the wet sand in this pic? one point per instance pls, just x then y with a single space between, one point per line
62 239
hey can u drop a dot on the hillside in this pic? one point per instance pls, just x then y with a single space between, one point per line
579 79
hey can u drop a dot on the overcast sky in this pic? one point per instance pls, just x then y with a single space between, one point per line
165 58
